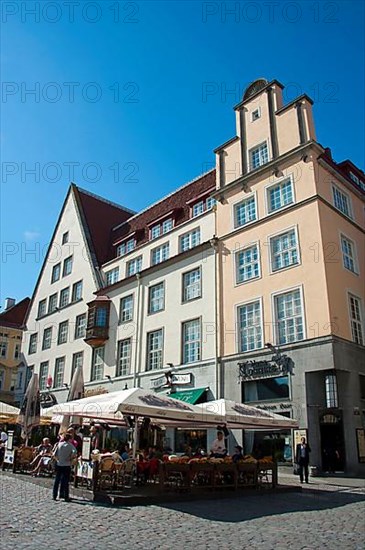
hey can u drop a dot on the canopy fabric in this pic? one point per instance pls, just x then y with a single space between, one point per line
6 409
189 396
239 415
113 406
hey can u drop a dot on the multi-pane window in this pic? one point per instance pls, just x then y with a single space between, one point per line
156 298
202 206
126 247
330 382
289 317
192 285
65 238
43 375
348 254
47 338
280 195
249 327
64 297
112 276
259 156
155 350
77 361
101 317
160 254
191 334
189 240
52 303
134 266
59 370
80 326
56 273
33 343
17 351
124 357
356 320
4 349
161 228
247 264
62 332
67 266
284 250
342 201
97 366
245 211
77 291
126 309
42 308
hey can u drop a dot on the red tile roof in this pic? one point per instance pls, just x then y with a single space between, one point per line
14 317
178 202
99 217
344 168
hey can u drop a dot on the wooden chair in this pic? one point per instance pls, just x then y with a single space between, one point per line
23 458
106 475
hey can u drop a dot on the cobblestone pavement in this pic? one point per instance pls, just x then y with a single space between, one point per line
316 518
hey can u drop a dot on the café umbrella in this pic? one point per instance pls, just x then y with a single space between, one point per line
29 415
76 391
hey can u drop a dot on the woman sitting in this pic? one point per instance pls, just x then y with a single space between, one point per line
43 457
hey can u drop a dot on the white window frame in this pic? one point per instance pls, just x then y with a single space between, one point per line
4 349
59 373
125 247
161 228
67 266
64 292
53 299
75 363
258 111
137 262
354 258
112 276
337 188
160 254
123 310
80 326
43 375
41 303
274 236
190 235
256 147
56 273
97 367
237 204
274 316
184 342
158 352
238 327
33 343
236 265
62 336
47 338
185 299
75 290
280 182
160 299
65 237
123 363
351 319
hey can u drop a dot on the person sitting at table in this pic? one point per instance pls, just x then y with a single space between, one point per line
124 451
218 448
43 456
238 454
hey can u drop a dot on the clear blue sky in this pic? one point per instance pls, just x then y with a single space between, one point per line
146 64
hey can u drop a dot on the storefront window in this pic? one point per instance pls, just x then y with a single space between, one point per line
267 389
276 444
195 439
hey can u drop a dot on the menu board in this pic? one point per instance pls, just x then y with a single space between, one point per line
360 438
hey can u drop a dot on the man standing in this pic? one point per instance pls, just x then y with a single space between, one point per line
302 458
63 454
218 448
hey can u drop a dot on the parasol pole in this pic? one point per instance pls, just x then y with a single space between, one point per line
135 437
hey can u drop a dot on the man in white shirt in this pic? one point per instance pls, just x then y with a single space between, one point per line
218 448
64 453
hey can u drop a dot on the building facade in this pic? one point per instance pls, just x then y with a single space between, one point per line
246 283
11 360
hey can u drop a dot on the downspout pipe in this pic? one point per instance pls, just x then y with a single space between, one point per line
137 354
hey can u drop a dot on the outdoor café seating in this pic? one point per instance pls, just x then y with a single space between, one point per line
23 458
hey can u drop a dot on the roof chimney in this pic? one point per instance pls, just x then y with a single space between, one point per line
9 302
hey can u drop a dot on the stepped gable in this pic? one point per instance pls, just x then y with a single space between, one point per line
99 217
177 203
14 317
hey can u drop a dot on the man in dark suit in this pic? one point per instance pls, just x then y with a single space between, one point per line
302 458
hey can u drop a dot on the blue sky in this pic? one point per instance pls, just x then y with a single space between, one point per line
121 100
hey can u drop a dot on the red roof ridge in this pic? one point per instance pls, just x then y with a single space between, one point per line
14 316
102 199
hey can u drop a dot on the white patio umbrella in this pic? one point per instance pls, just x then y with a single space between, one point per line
241 416
8 413
76 391
29 415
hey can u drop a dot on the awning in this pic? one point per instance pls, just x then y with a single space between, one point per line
189 396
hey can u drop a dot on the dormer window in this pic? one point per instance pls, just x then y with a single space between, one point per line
202 206
161 228
125 247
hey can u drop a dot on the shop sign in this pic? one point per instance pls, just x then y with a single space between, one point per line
280 365
48 400
169 379
95 391
279 406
